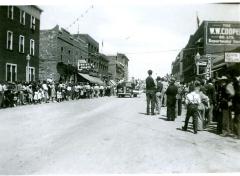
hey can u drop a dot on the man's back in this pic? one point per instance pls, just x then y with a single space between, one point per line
150 85
159 86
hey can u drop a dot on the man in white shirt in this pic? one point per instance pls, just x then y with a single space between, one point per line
164 96
192 101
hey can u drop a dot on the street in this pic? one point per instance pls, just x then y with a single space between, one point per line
107 135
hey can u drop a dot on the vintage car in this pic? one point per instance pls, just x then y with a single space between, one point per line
126 89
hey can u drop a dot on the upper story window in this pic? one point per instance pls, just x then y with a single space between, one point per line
9 40
22 17
32 47
33 23
21 44
10 12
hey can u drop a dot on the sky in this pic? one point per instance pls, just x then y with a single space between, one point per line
150 33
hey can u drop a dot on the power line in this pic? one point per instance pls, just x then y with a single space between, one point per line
162 51
81 16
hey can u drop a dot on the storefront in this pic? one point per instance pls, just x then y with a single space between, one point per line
217 43
90 79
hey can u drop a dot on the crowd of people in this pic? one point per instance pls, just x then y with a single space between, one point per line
22 93
208 102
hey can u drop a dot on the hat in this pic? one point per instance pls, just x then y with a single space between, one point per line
172 80
158 78
222 78
197 83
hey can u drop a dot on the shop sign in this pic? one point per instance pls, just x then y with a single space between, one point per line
85 66
232 57
202 63
223 33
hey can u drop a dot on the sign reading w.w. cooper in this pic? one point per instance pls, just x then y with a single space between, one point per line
223 33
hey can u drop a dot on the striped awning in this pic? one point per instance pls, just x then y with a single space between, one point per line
92 79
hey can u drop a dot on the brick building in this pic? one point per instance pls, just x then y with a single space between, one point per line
204 54
98 60
19 37
177 67
118 67
60 53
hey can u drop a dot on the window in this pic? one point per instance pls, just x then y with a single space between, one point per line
10 12
21 44
32 24
201 70
22 17
31 73
11 72
9 40
32 47
61 53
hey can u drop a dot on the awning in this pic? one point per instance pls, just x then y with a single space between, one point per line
112 82
92 79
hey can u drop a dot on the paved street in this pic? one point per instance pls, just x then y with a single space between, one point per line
106 135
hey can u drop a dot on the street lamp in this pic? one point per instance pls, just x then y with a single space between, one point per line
27 71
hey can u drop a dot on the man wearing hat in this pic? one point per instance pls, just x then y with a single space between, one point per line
171 93
224 101
236 107
150 92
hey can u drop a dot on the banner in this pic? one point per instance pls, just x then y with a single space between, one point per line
223 33
232 57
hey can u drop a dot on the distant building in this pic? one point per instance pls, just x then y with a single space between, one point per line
19 37
98 60
177 67
118 67
92 48
60 54
213 50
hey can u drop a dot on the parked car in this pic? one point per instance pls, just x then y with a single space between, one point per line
126 89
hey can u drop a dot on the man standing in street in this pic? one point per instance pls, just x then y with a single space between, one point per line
236 107
224 103
164 96
159 95
171 93
211 93
150 92
192 101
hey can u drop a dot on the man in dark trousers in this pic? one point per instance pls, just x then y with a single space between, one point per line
150 92
193 99
211 93
223 100
171 93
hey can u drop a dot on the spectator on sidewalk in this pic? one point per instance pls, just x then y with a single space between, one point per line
159 95
1 94
192 101
211 93
224 102
45 92
164 96
150 93
236 107
171 93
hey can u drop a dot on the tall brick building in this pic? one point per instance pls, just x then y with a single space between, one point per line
19 37
98 60
60 53
118 67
